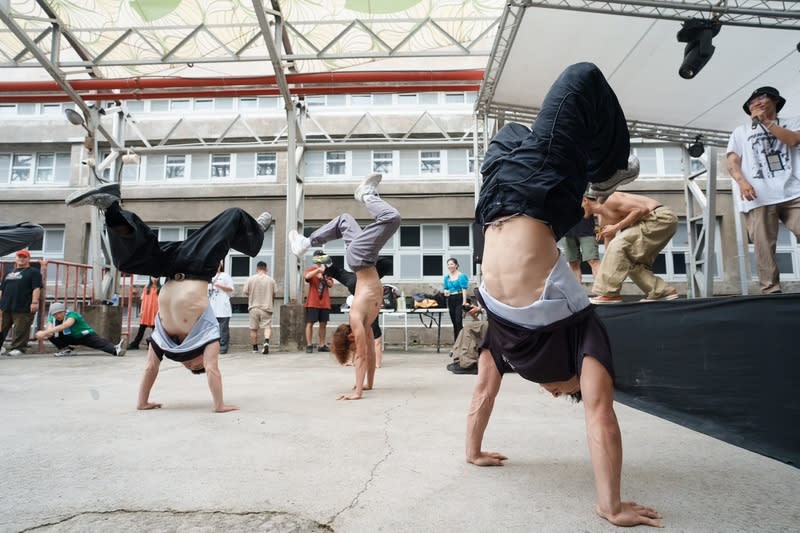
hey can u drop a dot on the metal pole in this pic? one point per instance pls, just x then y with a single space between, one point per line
741 245
710 222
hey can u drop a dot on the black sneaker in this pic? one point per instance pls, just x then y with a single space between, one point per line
265 349
101 197
455 368
323 348
309 349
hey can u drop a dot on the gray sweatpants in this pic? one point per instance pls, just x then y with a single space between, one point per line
363 244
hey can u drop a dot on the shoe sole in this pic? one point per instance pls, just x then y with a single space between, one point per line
662 299
605 302
79 198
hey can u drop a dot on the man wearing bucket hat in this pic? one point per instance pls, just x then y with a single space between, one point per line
19 302
68 328
764 161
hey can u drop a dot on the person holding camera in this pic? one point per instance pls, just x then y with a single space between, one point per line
318 302
455 290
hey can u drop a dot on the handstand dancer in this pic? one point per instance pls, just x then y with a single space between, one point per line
348 279
541 323
186 329
363 247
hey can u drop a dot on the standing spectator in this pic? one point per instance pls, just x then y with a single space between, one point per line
318 302
764 161
260 292
455 290
148 310
67 328
580 245
219 296
636 228
19 302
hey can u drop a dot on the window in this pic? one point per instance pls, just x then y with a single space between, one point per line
266 164
135 106
248 103
180 105
660 160
175 167
45 168
471 161
382 162
51 109
268 102
335 163
359 100
315 101
204 104
406 99
243 266
454 98
220 165
430 162
8 109
21 168
420 252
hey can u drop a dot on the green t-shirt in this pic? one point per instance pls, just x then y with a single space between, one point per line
79 329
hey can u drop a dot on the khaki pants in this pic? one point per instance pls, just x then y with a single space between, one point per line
22 323
762 228
632 253
465 349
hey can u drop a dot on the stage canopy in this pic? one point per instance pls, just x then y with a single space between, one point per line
635 45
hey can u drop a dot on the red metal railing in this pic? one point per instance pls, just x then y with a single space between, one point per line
71 284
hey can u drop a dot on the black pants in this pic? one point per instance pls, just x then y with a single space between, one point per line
134 345
92 340
579 136
224 333
137 250
455 304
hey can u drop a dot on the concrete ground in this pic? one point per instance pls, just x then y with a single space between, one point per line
77 456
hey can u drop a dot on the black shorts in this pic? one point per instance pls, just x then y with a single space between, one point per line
317 315
550 353
181 357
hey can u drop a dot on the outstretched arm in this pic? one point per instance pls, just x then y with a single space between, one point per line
360 355
149 378
480 410
214 376
605 448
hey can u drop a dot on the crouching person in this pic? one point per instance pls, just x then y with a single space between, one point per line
66 329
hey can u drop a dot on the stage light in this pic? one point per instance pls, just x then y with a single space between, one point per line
697 34
696 149
74 117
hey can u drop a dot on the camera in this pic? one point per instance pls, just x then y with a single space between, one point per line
467 307
89 162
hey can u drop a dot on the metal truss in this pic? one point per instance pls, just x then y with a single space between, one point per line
749 13
48 32
646 130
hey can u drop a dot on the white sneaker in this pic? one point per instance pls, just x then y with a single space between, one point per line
298 243
3 350
604 189
16 352
369 185
121 347
264 220
65 353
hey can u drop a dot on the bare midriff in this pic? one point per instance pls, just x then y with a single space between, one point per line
180 304
518 255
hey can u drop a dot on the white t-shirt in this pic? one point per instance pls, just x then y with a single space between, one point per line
753 146
220 300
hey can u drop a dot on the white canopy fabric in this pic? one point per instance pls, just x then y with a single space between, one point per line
640 57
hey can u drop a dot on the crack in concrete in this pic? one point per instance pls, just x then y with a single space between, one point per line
321 526
389 451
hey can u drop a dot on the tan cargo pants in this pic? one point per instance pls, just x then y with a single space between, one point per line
631 253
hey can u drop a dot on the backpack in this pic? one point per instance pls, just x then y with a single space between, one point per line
390 297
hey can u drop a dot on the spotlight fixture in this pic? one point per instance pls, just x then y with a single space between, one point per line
696 149
697 34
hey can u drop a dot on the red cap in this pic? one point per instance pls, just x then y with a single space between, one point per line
24 253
